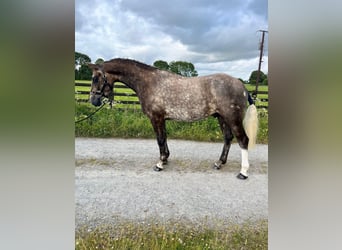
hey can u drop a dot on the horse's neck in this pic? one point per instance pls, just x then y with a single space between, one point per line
129 82
133 75
132 79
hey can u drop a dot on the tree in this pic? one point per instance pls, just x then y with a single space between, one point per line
253 77
183 68
99 61
82 71
243 81
77 76
161 65
265 82
81 59
178 67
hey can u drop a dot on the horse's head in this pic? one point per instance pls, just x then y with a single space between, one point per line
101 86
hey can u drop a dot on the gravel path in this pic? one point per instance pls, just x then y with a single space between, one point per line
115 182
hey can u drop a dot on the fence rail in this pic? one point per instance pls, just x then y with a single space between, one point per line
82 96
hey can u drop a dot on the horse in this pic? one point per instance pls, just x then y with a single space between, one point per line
168 96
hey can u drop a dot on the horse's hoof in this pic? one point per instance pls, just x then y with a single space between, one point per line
216 166
157 169
241 176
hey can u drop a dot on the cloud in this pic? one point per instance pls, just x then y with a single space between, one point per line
201 32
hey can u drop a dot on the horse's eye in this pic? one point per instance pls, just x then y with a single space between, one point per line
95 79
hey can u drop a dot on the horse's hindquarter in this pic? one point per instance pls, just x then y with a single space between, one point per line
229 92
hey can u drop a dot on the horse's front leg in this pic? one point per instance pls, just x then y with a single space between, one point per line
158 124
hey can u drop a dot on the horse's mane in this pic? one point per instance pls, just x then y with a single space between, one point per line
132 62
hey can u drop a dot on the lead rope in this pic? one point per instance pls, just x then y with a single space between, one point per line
85 118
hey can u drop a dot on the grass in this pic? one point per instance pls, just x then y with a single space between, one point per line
153 236
251 87
132 123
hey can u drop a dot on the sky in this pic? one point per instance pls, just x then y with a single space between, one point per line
217 36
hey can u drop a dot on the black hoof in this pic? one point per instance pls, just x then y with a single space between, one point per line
241 176
157 169
216 166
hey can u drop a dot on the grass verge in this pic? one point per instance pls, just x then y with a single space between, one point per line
179 236
132 123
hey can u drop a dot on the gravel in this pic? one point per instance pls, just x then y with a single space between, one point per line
114 182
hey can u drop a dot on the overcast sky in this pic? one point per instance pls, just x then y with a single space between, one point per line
215 35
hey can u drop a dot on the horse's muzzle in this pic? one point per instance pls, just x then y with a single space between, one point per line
96 100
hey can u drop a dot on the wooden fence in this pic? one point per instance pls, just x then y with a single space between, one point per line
126 96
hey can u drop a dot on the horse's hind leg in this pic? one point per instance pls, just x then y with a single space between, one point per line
158 124
239 132
228 136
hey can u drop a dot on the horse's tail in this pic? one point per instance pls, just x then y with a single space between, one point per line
250 122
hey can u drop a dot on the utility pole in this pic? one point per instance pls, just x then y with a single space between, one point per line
260 61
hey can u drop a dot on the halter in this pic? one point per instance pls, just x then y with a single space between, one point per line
105 84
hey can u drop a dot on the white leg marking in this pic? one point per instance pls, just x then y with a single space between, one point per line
160 164
244 162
